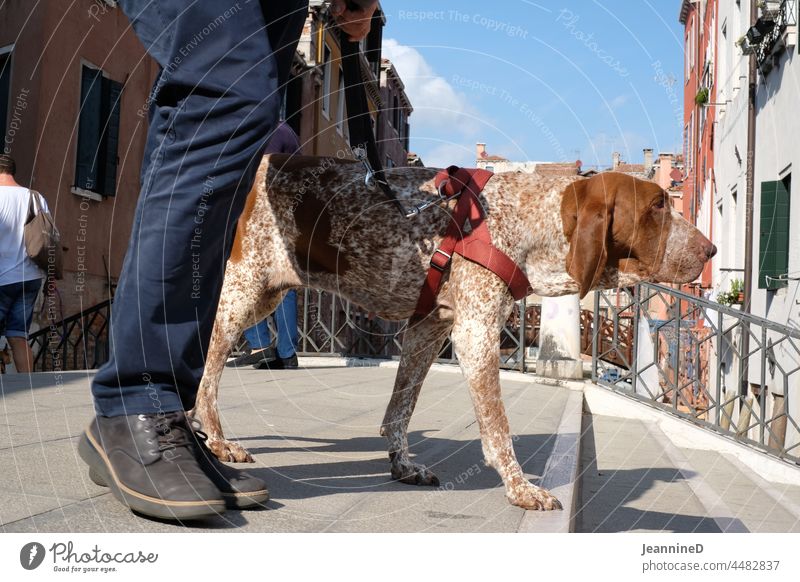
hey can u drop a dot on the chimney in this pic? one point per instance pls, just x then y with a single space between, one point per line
648 159
480 150
616 158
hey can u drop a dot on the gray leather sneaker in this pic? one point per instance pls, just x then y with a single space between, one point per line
240 489
150 463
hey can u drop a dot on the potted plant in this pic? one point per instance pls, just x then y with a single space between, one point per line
702 96
735 296
770 9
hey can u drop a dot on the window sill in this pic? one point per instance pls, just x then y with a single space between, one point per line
86 194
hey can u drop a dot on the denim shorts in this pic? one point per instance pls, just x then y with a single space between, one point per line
16 307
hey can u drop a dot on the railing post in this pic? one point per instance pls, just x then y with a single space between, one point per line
762 393
635 337
719 338
522 313
595 335
677 356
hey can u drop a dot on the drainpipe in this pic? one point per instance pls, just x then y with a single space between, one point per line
752 80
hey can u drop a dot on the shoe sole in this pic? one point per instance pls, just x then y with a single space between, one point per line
101 473
246 500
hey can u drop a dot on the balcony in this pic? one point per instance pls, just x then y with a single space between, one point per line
773 32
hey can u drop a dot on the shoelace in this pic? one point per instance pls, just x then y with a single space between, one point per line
171 432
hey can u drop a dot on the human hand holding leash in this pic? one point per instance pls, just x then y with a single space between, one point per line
354 16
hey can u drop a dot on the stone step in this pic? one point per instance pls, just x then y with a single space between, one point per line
628 483
646 470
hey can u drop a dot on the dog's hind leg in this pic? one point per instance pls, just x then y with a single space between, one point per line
421 343
237 309
482 306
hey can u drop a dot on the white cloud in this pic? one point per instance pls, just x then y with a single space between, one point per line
618 101
439 110
446 154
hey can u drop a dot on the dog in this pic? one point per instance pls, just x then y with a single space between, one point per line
312 222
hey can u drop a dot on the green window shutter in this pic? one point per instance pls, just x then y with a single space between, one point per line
86 170
112 92
773 252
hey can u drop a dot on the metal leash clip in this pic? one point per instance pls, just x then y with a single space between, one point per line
361 155
432 202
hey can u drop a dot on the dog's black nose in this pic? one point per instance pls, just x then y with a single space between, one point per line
711 251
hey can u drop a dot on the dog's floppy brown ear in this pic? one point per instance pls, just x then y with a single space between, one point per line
586 217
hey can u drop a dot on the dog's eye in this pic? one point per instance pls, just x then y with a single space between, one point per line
659 204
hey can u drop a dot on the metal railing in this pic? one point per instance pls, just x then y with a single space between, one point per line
659 345
779 20
78 342
330 325
686 358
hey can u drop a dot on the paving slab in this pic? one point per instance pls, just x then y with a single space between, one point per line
744 493
314 437
629 483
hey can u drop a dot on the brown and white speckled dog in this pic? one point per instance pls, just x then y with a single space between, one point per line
311 222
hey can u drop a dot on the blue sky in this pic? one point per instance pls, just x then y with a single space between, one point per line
538 80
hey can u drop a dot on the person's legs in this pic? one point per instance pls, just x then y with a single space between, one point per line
212 109
286 329
286 326
214 105
23 356
16 308
258 336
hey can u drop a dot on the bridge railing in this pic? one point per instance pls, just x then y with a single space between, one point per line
667 348
684 355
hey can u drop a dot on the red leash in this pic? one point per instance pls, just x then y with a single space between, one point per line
475 245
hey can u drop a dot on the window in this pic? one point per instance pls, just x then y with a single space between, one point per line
773 250
340 104
326 81
98 133
406 135
689 47
5 87
389 162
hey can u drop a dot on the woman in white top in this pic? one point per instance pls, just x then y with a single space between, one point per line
20 278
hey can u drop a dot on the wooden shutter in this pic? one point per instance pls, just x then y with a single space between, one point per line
773 252
112 92
86 170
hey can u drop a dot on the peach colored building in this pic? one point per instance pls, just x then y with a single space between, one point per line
55 58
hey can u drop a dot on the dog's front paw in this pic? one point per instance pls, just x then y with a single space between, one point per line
413 474
229 451
529 496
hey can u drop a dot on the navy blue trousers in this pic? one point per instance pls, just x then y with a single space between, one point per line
211 112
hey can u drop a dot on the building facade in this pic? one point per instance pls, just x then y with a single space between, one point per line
315 102
393 125
75 83
776 216
699 19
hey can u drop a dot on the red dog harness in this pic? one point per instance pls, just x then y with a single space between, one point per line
475 245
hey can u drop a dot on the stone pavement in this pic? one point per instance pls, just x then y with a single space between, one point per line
314 435
632 480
